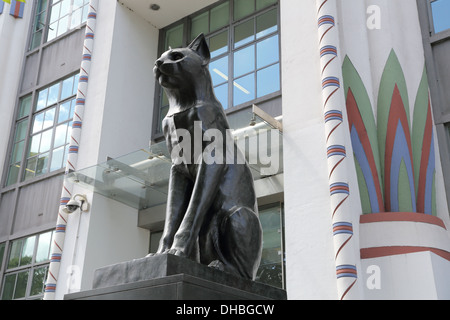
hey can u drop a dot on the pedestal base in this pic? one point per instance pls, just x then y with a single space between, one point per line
168 277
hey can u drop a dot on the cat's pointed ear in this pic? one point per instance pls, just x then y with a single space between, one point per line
200 46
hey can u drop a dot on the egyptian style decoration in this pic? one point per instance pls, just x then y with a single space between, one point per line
211 214
67 190
394 156
346 254
16 7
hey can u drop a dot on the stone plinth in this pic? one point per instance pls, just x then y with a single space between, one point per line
168 277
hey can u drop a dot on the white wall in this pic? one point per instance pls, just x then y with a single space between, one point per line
310 269
117 121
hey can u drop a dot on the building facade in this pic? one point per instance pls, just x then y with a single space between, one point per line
340 107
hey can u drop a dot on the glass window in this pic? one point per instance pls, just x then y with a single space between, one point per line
271 270
19 140
66 15
38 24
174 37
2 253
441 15
155 237
244 45
211 20
27 267
45 141
218 44
243 8
51 128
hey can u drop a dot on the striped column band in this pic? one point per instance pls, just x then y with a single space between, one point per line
333 99
72 158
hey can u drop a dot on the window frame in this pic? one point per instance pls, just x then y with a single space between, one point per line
29 267
30 116
445 32
157 134
45 29
280 207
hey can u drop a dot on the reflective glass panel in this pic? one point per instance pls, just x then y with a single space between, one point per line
52 30
34 145
21 130
260 4
219 70
57 158
43 249
64 112
174 37
14 254
38 280
441 15
21 284
42 99
268 80
17 152
49 118
13 174
60 135
200 24
67 88
65 7
218 44
271 268
76 18
9 283
244 61
27 251
243 8
220 16
63 25
267 52
42 164
221 93
25 107
244 89
2 252
53 93
30 169
244 33
266 23
55 12
46 141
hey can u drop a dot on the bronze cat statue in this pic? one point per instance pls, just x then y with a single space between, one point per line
211 212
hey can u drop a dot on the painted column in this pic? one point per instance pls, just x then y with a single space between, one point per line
403 226
66 194
342 217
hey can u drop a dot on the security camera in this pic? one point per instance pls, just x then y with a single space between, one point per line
73 204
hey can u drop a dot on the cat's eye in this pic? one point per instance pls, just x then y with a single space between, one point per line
176 56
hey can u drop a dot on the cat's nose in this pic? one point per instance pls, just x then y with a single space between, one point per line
158 63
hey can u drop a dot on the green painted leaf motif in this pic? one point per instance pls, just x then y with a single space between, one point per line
392 75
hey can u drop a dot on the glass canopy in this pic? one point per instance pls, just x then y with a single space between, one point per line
140 179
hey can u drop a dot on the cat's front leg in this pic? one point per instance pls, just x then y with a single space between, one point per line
180 188
207 182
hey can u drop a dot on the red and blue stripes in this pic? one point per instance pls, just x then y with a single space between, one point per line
17 8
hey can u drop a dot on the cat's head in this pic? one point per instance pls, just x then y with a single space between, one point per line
183 67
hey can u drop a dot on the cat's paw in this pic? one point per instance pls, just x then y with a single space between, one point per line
217 264
177 252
